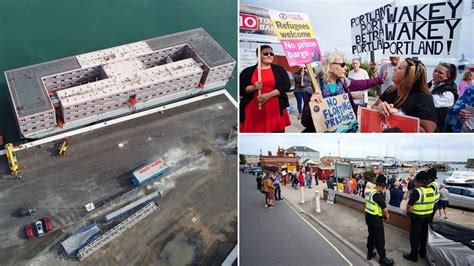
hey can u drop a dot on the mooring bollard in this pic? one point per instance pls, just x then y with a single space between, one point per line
302 195
317 202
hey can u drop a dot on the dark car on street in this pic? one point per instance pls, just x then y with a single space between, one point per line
27 211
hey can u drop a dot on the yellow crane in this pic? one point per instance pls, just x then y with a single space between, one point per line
63 148
12 161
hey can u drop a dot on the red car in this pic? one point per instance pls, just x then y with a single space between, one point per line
48 225
29 231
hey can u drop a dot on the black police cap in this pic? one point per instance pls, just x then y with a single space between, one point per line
381 180
421 176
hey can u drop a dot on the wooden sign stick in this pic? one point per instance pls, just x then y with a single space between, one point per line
312 77
259 69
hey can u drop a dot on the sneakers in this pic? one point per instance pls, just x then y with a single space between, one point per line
299 116
410 257
371 254
386 261
266 205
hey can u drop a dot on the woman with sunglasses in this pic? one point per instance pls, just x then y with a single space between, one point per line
333 82
265 113
444 91
409 95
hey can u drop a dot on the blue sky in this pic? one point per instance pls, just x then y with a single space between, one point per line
331 22
431 147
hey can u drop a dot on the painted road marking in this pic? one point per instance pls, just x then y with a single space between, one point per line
320 234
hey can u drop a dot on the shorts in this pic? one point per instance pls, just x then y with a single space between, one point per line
442 204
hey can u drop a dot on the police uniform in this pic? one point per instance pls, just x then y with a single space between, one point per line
374 204
435 186
422 201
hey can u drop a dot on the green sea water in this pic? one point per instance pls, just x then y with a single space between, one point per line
36 31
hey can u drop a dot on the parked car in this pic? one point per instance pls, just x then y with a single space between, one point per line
461 197
27 211
48 225
254 170
29 231
39 228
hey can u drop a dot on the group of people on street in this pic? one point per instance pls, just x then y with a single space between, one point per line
424 201
403 88
270 183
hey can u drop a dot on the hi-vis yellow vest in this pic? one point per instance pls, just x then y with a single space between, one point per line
435 186
425 203
371 207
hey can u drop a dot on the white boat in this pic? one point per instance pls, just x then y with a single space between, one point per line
461 178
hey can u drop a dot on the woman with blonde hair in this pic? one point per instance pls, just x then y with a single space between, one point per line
410 95
464 83
332 82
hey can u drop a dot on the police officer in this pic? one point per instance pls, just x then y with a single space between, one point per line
419 208
375 209
435 186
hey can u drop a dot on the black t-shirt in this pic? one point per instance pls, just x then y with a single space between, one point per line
415 195
380 200
418 104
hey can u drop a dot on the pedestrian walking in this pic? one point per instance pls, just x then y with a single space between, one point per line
310 179
375 211
268 188
301 178
443 200
419 208
276 183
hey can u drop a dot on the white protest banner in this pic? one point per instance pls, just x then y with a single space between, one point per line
425 29
331 113
367 31
296 35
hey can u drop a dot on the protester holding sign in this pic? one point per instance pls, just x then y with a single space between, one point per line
458 114
267 112
410 95
302 86
333 82
444 91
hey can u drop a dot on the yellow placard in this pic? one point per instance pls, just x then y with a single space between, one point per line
293 30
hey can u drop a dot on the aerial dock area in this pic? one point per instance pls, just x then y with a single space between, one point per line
197 217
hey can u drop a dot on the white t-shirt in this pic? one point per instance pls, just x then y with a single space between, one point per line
359 75
446 99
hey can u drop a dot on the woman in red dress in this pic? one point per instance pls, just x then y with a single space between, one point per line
266 113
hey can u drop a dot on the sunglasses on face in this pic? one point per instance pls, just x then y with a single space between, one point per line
268 54
339 64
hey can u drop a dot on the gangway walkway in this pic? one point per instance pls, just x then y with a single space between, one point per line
116 231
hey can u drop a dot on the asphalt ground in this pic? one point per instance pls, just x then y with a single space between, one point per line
198 209
284 235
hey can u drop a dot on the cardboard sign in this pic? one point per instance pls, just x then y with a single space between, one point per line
331 196
296 35
370 121
425 29
331 113
367 31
